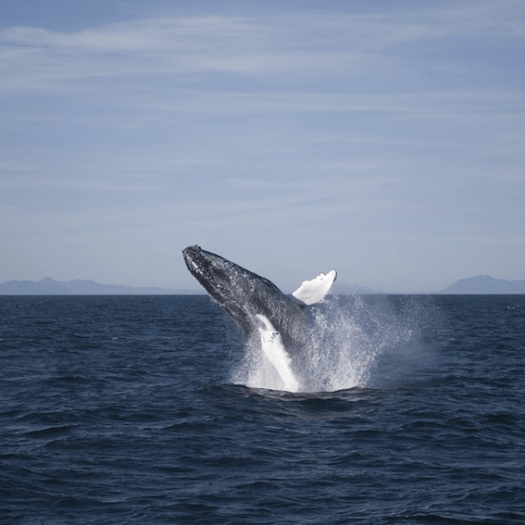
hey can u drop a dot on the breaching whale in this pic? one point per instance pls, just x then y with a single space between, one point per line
259 308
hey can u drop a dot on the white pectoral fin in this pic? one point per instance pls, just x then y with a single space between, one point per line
273 348
314 291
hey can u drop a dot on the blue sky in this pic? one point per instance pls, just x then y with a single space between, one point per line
383 139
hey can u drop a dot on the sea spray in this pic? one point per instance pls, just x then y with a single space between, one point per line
355 341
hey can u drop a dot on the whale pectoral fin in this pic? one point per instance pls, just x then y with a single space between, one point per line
273 347
314 291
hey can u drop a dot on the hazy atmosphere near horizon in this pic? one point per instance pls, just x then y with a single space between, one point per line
383 139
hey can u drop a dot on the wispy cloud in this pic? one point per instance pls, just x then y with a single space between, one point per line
342 45
375 127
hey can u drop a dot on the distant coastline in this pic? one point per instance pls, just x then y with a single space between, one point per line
49 286
485 285
482 285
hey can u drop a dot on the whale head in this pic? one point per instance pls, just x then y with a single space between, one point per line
243 294
212 271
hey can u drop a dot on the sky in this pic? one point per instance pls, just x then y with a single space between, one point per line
383 139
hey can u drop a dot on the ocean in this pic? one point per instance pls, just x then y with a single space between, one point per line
152 410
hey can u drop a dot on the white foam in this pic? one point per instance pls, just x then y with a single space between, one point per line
354 343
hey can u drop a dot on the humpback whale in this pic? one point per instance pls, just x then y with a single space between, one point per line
260 309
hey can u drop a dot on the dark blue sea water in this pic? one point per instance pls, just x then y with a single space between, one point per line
125 410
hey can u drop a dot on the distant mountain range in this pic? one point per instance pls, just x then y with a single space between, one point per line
482 284
49 286
485 284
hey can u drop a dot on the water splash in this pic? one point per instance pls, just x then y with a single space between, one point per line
355 341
